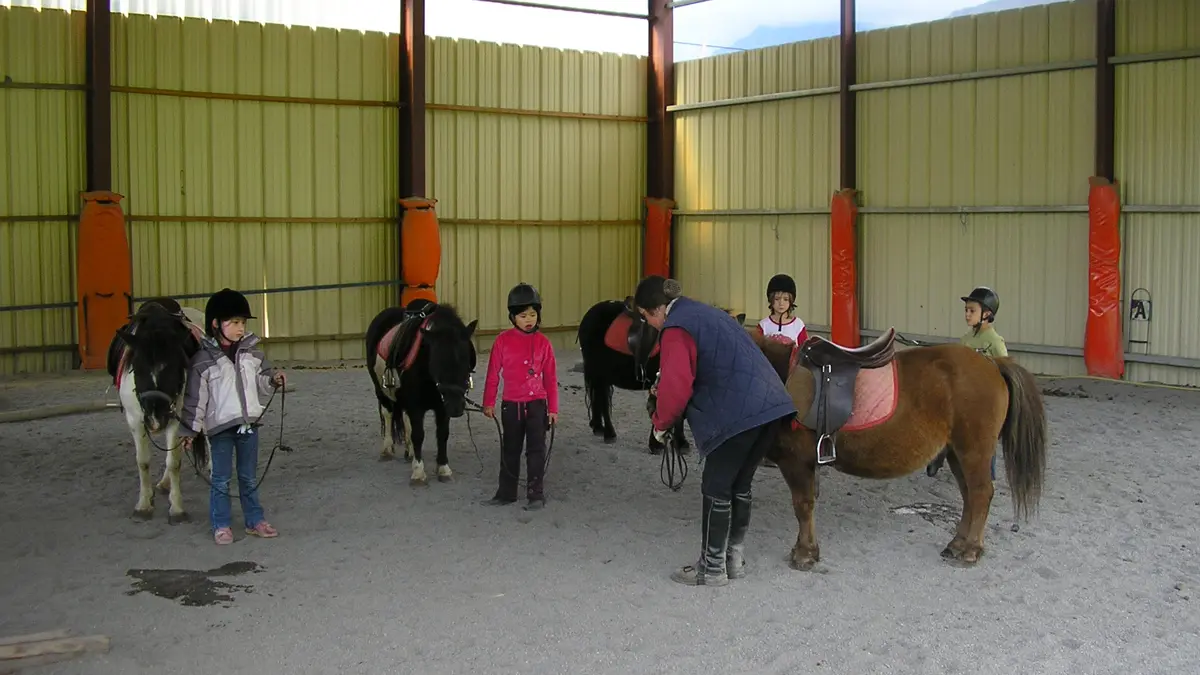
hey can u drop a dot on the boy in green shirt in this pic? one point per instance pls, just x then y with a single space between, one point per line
980 308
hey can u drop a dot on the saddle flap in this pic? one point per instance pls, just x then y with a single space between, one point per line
833 398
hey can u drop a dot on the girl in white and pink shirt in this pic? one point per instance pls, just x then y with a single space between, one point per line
524 358
783 322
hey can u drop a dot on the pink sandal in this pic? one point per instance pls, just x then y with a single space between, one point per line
262 529
223 536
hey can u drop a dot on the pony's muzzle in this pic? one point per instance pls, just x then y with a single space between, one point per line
157 408
454 398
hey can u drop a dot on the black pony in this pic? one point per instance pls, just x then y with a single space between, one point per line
148 359
420 358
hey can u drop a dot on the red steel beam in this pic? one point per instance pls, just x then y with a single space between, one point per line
849 114
660 128
1106 48
412 97
98 97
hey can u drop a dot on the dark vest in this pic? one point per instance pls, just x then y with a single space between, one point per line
736 389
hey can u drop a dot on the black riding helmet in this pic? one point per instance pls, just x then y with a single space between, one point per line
986 298
781 283
225 304
521 296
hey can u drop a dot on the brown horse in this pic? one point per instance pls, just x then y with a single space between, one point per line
932 398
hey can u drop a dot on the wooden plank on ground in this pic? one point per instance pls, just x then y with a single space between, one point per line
37 649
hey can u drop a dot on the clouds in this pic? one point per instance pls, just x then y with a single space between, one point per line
717 22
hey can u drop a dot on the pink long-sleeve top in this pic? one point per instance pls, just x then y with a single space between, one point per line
526 362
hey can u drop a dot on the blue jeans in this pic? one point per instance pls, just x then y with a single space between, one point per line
222 447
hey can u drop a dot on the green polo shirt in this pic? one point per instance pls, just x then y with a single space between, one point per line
987 342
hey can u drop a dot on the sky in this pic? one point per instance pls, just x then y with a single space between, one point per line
711 26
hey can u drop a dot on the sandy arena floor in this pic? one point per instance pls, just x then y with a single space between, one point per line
371 575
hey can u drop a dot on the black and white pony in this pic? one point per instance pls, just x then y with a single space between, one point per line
148 360
621 350
420 358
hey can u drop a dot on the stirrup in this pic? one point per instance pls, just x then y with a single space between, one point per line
831 455
389 378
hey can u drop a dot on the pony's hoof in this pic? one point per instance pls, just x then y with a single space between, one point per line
177 518
597 431
655 451
139 514
804 561
386 457
966 556
445 479
610 439
418 482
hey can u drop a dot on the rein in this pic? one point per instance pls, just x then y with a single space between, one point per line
474 407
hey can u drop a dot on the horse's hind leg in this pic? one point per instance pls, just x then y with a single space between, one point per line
610 432
796 458
444 474
387 451
144 510
972 471
416 436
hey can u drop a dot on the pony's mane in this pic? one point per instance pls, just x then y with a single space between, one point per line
158 341
448 313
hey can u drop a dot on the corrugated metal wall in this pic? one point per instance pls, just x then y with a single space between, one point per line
537 159
260 194
41 175
776 155
1158 164
1023 140
265 159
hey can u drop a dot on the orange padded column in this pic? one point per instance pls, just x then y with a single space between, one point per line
420 249
843 268
103 276
1102 351
656 251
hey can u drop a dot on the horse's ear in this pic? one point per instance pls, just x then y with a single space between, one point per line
471 328
741 319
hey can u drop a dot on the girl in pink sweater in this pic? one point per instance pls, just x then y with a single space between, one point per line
524 357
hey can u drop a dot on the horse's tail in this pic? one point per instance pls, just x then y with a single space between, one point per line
1024 437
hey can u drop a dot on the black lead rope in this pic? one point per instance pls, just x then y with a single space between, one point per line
279 445
476 408
672 461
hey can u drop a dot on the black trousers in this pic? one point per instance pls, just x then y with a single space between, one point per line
525 426
729 470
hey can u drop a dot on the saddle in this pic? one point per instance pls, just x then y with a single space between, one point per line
630 334
835 370
392 348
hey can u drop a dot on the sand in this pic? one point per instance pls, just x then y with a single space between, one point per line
371 575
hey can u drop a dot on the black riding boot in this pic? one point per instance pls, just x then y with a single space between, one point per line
739 523
709 570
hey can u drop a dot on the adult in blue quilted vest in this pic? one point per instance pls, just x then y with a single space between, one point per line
713 374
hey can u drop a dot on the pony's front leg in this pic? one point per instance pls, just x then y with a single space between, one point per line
145 504
416 435
175 514
797 460
444 474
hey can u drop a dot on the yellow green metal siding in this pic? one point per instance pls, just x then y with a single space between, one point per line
779 155
1018 140
1158 164
212 159
555 199
41 176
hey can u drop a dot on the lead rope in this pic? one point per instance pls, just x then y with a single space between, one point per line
279 445
672 461
474 407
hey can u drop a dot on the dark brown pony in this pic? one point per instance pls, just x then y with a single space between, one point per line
946 396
